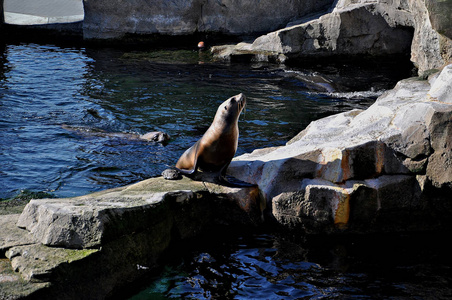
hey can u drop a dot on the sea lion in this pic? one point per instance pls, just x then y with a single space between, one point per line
154 136
216 148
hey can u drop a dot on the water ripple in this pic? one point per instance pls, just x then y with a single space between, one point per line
45 89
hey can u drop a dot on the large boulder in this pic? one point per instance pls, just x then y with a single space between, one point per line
430 49
349 30
93 244
439 13
369 170
368 27
95 219
116 19
360 27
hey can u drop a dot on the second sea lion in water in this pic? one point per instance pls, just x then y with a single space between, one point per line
154 136
216 148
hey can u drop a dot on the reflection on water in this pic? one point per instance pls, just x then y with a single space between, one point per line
45 89
267 266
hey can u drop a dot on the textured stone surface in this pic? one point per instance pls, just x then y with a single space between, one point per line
95 219
89 244
379 163
361 27
13 235
114 19
439 12
349 29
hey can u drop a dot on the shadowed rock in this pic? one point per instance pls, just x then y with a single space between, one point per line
384 163
99 239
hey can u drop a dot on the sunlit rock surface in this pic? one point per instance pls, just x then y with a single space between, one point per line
384 169
95 219
363 27
388 168
98 240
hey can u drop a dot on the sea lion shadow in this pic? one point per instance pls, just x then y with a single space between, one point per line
207 176
217 178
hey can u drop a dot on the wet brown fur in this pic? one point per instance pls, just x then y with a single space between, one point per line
215 150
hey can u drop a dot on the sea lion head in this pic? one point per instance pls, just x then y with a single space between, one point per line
229 111
155 136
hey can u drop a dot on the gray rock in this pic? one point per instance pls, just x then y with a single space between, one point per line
365 28
389 155
95 219
171 174
362 27
441 90
425 48
115 19
13 235
439 13
36 261
88 245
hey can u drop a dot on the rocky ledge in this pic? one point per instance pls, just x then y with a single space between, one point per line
387 168
95 244
384 169
358 28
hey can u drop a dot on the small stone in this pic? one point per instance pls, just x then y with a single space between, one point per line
171 174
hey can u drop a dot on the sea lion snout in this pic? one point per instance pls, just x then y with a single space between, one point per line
240 97
241 100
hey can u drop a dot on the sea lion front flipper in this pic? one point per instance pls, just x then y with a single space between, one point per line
186 156
186 172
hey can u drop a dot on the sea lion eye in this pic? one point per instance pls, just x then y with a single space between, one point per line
226 108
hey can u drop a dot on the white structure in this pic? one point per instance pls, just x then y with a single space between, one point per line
41 12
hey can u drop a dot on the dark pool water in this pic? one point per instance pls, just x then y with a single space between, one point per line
46 89
55 100
274 266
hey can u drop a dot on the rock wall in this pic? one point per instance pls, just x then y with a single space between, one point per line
2 16
432 45
388 168
115 19
361 27
347 30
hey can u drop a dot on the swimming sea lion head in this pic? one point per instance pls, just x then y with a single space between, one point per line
155 136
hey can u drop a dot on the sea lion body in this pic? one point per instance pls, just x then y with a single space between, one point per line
154 136
216 148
